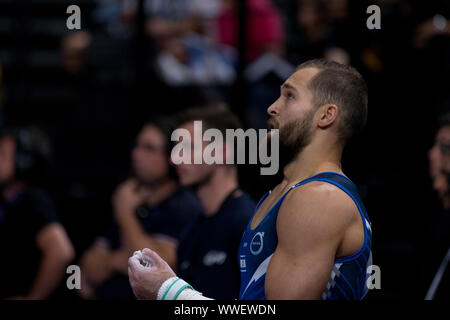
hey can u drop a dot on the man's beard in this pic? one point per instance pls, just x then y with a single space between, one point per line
294 137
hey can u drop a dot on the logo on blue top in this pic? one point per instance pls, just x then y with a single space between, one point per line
256 245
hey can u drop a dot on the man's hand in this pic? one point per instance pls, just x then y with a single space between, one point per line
128 196
146 281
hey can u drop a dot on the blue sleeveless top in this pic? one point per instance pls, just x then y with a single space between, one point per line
348 279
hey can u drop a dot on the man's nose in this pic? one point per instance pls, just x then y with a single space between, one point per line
273 110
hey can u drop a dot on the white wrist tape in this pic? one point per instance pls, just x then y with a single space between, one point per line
177 289
191 294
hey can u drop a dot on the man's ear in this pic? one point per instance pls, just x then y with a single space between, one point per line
328 115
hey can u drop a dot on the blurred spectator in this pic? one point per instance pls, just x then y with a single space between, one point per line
150 211
437 25
108 15
436 161
195 60
165 18
312 34
194 56
263 80
90 93
34 247
1 94
436 280
73 48
264 28
209 249
266 67
186 49
321 26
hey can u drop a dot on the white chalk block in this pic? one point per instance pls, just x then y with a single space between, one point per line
144 260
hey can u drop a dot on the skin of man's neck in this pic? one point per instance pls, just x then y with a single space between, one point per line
214 192
318 156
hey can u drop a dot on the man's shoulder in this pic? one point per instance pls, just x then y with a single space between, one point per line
320 202
321 194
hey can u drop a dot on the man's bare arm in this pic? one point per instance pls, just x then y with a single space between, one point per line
310 226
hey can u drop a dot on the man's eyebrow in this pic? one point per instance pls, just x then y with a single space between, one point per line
286 85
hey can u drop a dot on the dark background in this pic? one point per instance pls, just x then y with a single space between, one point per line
93 117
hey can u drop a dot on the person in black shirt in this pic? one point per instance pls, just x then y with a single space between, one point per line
435 248
208 252
150 210
34 247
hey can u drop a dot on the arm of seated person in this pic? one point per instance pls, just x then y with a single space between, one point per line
57 252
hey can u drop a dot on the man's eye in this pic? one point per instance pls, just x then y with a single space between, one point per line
290 96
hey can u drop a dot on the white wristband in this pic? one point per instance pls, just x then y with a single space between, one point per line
172 288
190 294
165 286
177 289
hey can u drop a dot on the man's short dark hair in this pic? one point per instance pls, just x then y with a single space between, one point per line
343 86
213 115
